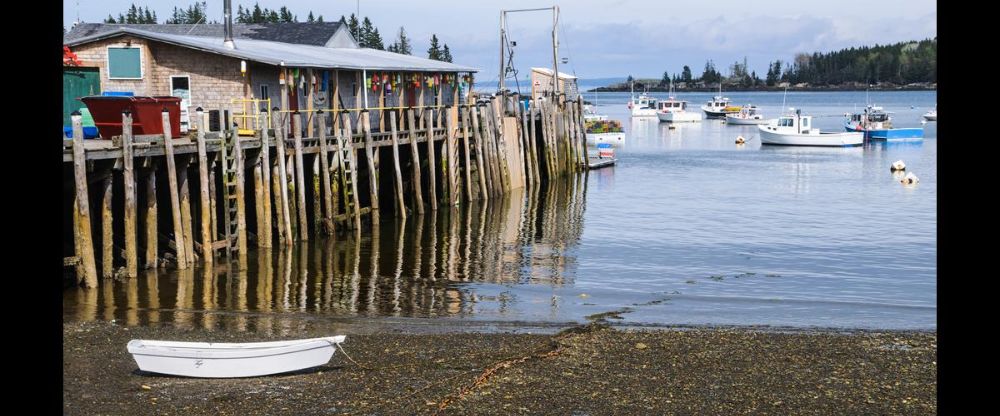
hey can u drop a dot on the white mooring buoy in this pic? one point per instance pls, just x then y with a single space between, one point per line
897 165
910 179
740 140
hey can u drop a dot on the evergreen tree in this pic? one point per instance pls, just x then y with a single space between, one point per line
446 54
402 43
150 16
311 19
666 79
686 74
630 79
110 19
434 52
319 19
286 16
272 17
257 16
370 36
352 24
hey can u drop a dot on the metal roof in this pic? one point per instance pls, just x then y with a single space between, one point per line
290 54
548 72
315 33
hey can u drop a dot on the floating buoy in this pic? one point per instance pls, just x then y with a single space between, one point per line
910 179
740 140
897 165
672 127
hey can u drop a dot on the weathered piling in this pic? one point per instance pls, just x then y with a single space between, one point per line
151 208
324 169
401 207
207 240
183 163
478 137
280 175
107 220
431 163
128 177
372 168
465 147
175 204
300 179
415 161
241 200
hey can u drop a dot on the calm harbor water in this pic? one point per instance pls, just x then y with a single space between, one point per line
688 228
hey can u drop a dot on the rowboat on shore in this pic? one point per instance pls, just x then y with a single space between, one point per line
227 360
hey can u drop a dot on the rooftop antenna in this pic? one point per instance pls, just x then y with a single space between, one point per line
358 8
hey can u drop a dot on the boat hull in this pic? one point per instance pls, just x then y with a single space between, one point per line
745 121
643 112
821 139
930 117
909 133
675 117
716 113
215 360
615 139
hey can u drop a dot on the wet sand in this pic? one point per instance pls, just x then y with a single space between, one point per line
586 370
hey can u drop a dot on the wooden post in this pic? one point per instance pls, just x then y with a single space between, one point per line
241 200
395 161
151 210
474 115
582 140
212 194
452 125
309 101
381 111
278 214
300 180
465 145
525 147
128 176
495 181
175 206
107 221
206 218
185 199
335 101
282 174
545 138
264 235
87 272
324 168
372 169
431 160
415 160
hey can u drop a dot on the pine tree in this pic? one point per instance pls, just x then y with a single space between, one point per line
686 74
375 40
352 24
446 54
150 17
402 43
319 19
257 16
434 52
311 19
666 79
369 34
110 19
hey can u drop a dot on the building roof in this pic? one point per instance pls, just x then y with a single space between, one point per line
288 54
548 72
316 33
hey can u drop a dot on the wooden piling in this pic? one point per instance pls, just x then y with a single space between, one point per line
451 125
183 164
107 220
465 147
128 177
415 160
300 180
372 169
151 210
431 162
309 101
401 207
533 143
282 178
324 168
241 200
474 116
175 206
206 219
264 234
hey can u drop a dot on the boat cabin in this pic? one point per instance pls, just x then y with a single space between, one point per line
644 101
718 102
672 106
794 124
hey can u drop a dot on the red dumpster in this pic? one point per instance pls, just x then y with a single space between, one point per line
146 112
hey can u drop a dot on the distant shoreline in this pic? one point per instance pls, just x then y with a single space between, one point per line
765 89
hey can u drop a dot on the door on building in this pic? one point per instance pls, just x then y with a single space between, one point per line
78 82
180 86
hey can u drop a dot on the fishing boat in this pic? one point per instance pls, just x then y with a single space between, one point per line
643 105
931 115
719 106
604 157
601 130
227 360
747 115
876 123
796 130
672 110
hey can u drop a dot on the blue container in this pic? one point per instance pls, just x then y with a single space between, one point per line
118 94
89 132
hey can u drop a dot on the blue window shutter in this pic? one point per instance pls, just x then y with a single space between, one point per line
124 63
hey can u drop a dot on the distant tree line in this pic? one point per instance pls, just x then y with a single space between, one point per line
900 63
365 32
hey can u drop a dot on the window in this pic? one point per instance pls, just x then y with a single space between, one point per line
124 62
264 93
805 123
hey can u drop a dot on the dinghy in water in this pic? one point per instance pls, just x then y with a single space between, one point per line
225 360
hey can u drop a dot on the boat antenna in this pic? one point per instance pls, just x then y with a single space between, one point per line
783 99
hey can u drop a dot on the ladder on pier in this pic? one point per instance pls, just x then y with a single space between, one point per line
230 167
348 172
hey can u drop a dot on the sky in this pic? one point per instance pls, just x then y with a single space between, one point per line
605 38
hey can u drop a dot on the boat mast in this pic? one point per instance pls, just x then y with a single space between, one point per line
555 45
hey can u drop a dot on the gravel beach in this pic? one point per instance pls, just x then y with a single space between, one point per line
586 370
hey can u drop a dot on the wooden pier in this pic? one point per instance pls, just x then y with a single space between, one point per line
277 187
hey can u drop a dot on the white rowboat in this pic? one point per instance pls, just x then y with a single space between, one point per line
226 360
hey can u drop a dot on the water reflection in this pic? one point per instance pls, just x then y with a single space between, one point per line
423 266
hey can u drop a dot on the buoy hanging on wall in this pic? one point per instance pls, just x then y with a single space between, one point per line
897 165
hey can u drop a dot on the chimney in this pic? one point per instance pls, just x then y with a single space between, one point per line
228 16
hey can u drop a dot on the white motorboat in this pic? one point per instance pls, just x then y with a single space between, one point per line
719 106
642 106
797 130
601 130
747 115
931 115
672 110
227 360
